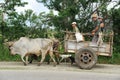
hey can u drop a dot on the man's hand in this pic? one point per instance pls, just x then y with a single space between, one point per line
93 32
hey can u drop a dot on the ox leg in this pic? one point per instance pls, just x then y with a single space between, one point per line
26 59
22 57
57 57
42 59
49 61
52 57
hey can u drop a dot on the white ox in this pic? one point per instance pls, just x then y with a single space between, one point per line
26 46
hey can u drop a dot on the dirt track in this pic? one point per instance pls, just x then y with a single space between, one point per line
99 68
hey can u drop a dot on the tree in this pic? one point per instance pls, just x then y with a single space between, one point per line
75 10
8 7
27 24
116 28
17 25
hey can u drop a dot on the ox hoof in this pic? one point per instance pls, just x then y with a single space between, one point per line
30 62
48 63
58 63
55 64
39 64
25 64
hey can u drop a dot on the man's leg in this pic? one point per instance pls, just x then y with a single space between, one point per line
95 39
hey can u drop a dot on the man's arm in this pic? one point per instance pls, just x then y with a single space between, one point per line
76 29
102 26
94 30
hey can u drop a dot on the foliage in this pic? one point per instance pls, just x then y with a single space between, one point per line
5 54
75 10
116 28
45 25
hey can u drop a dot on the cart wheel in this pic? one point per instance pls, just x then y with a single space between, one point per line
86 58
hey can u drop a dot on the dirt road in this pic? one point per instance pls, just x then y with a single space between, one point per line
64 71
100 68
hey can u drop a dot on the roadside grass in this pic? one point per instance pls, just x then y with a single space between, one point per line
6 56
115 59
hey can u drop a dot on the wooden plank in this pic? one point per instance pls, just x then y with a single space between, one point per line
89 34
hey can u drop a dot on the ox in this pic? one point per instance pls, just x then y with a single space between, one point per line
55 52
26 46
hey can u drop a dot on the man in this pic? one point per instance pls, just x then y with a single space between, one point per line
75 28
96 26
102 25
100 30
78 35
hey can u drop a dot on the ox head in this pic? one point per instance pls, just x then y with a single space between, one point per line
10 46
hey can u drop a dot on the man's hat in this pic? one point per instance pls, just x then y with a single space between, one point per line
74 23
94 15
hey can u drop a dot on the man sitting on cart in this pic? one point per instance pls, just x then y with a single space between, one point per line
78 35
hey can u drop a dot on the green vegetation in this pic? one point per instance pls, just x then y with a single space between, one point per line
6 56
31 25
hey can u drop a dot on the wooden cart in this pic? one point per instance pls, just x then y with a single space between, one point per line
86 52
